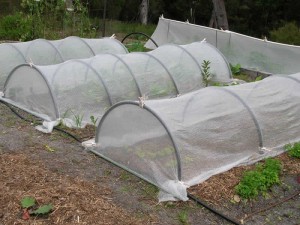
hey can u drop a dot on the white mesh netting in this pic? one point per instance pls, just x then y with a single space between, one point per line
83 88
192 137
251 53
45 52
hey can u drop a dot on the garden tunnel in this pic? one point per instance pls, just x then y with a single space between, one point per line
180 142
83 88
45 52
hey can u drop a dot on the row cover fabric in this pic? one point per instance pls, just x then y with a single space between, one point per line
79 89
45 52
252 53
180 142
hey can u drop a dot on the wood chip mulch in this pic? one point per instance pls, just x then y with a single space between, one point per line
220 188
75 201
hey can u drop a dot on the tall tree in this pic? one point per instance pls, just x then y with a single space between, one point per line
219 15
144 7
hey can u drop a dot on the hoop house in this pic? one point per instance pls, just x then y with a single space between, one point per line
84 88
179 142
44 52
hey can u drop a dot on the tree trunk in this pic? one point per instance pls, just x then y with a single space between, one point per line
219 14
144 11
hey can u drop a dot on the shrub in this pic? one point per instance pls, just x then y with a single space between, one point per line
16 27
259 180
289 34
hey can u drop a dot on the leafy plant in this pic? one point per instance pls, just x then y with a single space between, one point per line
71 19
94 120
136 46
258 78
293 149
206 74
235 69
44 209
259 180
29 203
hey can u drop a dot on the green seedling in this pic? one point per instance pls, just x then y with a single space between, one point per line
27 202
78 120
235 69
206 74
94 120
42 210
30 208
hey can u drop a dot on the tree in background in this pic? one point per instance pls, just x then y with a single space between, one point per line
144 7
251 17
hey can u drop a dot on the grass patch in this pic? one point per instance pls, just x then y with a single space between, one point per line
259 180
115 27
293 149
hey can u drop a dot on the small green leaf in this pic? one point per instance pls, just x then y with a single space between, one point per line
27 202
43 209
259 78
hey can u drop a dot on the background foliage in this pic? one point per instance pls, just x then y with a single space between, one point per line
278 20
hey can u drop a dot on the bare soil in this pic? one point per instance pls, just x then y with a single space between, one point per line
85 189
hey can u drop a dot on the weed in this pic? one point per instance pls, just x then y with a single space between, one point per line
183 217
235 69
293 149
259 180
49 149
206 74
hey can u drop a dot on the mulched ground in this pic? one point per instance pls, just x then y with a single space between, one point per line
220 188
75 201
85 189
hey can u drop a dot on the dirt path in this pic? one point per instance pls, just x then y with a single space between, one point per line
54 168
